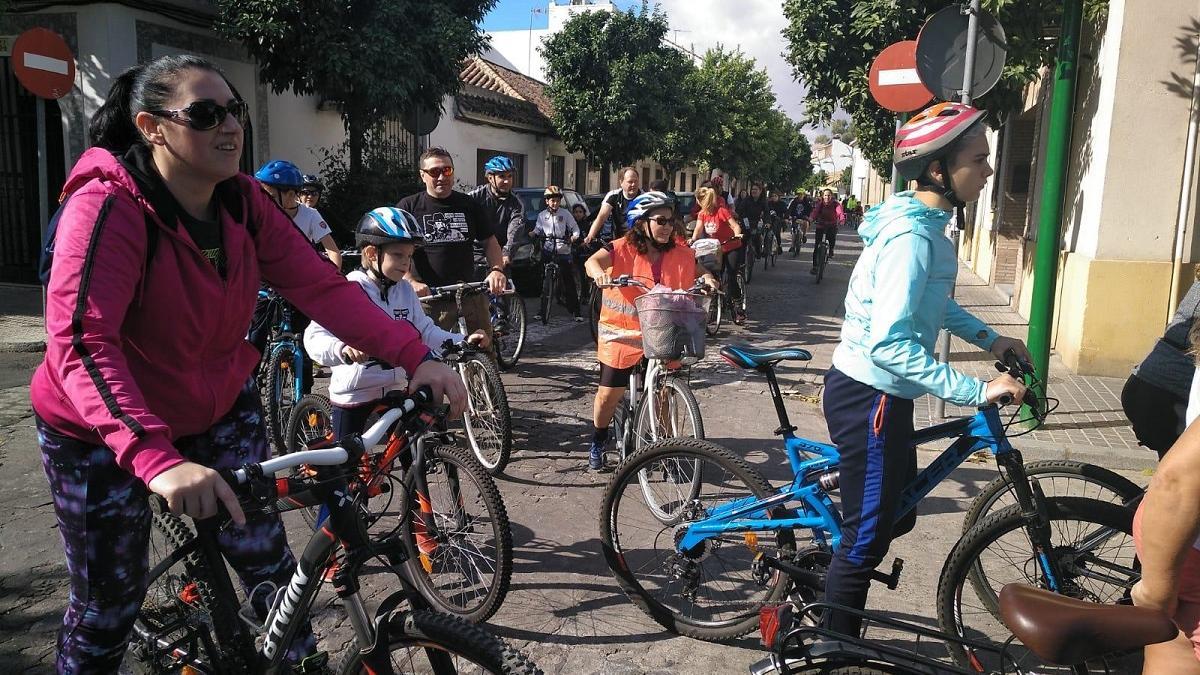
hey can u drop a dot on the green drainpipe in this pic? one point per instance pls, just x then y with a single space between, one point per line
1045 268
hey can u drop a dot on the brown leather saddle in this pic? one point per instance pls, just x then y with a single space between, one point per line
1067 631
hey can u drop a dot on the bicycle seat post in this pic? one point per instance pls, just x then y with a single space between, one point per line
785 424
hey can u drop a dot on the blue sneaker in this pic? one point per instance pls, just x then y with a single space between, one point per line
596 457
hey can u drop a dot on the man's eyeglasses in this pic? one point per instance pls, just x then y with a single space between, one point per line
439 171
205 115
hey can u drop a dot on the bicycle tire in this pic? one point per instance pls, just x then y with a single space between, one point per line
643 437
740 280
963 567
1099 482
547 301
421 564
822 259
614 555
488 427
281 392
201 611
512 342
748 264
594 313
716 305
423 629
311 418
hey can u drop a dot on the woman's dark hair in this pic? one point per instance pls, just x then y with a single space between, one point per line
146 86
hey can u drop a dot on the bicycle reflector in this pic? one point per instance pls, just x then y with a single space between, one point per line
772 618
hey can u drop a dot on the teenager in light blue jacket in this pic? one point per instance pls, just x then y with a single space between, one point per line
898 299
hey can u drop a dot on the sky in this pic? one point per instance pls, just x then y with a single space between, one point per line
751 25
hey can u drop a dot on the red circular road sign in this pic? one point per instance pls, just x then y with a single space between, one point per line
42 62
895 83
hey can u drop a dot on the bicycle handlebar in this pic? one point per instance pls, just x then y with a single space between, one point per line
436 292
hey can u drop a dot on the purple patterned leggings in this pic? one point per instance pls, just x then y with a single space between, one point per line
104 520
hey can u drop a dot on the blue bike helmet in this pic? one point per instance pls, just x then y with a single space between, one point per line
645 203
386 225
280 173
498 164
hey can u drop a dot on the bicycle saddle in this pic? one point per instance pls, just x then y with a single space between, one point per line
745 356
1067 631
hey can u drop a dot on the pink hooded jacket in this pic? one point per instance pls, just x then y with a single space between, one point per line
139 354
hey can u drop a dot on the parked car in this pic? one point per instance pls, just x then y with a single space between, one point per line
684 202
593 204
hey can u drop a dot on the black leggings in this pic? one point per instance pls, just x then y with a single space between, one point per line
830 235
616 378
734 260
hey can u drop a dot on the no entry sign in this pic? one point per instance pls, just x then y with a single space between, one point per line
895 83
42 62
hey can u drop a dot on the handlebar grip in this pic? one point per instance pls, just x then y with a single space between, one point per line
1005 399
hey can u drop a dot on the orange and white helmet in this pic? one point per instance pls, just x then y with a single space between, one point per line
930 135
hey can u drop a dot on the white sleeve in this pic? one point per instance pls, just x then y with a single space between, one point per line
323 346
1193 408
431 334
310 222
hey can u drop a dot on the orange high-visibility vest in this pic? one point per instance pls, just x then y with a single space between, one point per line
620 335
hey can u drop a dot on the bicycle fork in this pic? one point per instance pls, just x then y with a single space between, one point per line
1035 516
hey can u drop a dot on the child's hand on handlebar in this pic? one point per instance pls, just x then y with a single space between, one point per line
352 355
603 279
480 339
1002 344
1004 390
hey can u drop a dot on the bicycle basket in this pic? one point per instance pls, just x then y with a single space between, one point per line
672 325
708 254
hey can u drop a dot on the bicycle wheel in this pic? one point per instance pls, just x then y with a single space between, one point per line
1057 478
822 259
428 642
669 484
1092 544
594 313
180 608
465 569
741 282
548 281
710 592
311 419
716 305
487 420
510 331
281 392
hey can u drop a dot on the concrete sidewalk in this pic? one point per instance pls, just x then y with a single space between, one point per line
21 326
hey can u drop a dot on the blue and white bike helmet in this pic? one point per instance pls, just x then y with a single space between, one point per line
645 203
498 164
386 225
280 173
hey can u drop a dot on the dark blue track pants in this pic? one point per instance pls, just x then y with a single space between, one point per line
873 433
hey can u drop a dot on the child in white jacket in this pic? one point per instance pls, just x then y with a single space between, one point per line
387 238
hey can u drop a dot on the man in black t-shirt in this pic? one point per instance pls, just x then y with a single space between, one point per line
452 224
610 219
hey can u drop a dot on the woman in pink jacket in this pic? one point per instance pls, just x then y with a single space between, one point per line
826 216
146 383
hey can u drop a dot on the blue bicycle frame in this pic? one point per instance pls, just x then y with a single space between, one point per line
810 460
284 338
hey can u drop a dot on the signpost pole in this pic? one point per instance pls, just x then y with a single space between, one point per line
43 180
955 232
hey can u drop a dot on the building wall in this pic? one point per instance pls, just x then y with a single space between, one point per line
299 131
463 139
1123 187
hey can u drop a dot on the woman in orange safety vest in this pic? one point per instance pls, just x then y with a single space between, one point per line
652 253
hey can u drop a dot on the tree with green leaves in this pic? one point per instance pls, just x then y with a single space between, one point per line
693 126
615 85
831 44
740 103
791 163
840 129
375 59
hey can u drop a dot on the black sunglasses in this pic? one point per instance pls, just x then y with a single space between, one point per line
205 115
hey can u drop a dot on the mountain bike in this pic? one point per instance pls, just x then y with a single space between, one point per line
659 402
488 421
799 235
191 620
551 291
456 519
281 373
706 571
770 243
752 239
508 326
1079 635
821 258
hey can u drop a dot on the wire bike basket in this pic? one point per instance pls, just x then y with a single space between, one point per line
672 325
708 254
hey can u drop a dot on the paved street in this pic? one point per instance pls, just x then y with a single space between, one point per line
563 608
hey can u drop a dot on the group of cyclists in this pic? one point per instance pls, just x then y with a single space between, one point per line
140 393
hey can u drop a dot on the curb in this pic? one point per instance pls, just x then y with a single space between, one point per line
23 347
